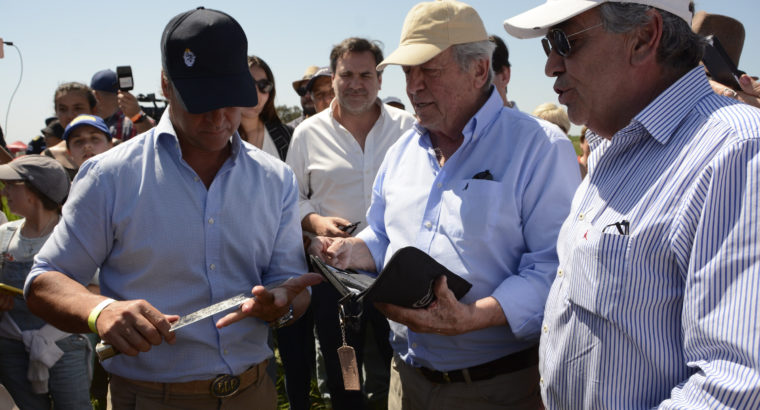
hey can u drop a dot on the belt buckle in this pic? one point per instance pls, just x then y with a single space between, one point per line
225 385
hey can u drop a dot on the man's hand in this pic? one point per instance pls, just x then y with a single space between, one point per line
128 104
334 251
6 301
271 304
750 92
446 315
133 326
325 225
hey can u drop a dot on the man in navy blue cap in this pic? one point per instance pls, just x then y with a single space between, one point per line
119 109
179 218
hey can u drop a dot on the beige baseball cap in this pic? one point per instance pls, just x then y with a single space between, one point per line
538 20
431 28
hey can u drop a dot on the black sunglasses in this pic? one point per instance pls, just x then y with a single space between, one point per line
264 85
558 41
301 91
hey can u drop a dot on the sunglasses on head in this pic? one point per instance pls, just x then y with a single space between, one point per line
558 41
264 85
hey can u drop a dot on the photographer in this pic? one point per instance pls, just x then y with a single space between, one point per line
118 108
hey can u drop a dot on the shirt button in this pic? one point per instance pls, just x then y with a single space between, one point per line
439 185
560 272
581 216
226 351
541 380
428 225
212 266
545 329
196 179
414 345
211 221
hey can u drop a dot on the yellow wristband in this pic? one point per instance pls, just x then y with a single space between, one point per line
94 313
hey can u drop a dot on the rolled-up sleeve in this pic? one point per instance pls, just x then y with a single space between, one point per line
81 241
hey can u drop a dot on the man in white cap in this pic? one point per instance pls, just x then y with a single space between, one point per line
182 217
481 188
655 302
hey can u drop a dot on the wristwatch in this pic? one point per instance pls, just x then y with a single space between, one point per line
284 319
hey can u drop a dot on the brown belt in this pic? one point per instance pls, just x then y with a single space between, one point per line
507 364
222 386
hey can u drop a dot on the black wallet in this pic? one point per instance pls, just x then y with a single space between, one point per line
407 280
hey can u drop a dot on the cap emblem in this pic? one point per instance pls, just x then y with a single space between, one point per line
189 57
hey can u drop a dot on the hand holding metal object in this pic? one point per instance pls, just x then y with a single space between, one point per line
106 351
11 289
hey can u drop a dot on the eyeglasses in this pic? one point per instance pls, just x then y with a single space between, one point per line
301 91
558 41
264 85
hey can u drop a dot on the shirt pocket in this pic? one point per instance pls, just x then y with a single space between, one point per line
474 210
599 266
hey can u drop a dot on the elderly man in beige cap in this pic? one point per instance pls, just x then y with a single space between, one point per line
483 190
655 302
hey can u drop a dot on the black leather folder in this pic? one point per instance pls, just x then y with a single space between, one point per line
407 280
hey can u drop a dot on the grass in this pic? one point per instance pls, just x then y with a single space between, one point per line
317 402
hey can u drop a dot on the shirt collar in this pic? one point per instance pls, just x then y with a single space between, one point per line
665 113
167 136
482 119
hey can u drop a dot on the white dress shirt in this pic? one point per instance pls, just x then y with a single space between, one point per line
334 175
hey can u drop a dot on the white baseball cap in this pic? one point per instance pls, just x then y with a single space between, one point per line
538 20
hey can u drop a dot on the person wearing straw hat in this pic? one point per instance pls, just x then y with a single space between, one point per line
655 302
482 189
730 33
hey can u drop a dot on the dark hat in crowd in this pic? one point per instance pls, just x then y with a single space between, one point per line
729 31
205 55
300 85
87 119
53 128
105 80
43 172
322 72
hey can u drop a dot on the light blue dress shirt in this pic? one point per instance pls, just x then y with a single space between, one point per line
666 315
498 234
145 218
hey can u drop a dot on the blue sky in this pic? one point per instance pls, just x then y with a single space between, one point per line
70 40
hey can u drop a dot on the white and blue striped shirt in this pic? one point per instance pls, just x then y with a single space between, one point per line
666 315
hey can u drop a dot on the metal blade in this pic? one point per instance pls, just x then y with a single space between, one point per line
234 301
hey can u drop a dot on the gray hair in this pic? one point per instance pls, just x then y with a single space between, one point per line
680 48
467 53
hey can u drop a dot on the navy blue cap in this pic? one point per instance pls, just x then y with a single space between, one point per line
86 119
205 55
105 80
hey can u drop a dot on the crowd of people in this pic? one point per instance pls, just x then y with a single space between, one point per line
623 277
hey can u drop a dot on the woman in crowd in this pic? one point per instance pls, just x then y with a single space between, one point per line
39 364
260 125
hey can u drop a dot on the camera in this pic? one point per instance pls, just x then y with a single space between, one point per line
722 69
124 75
